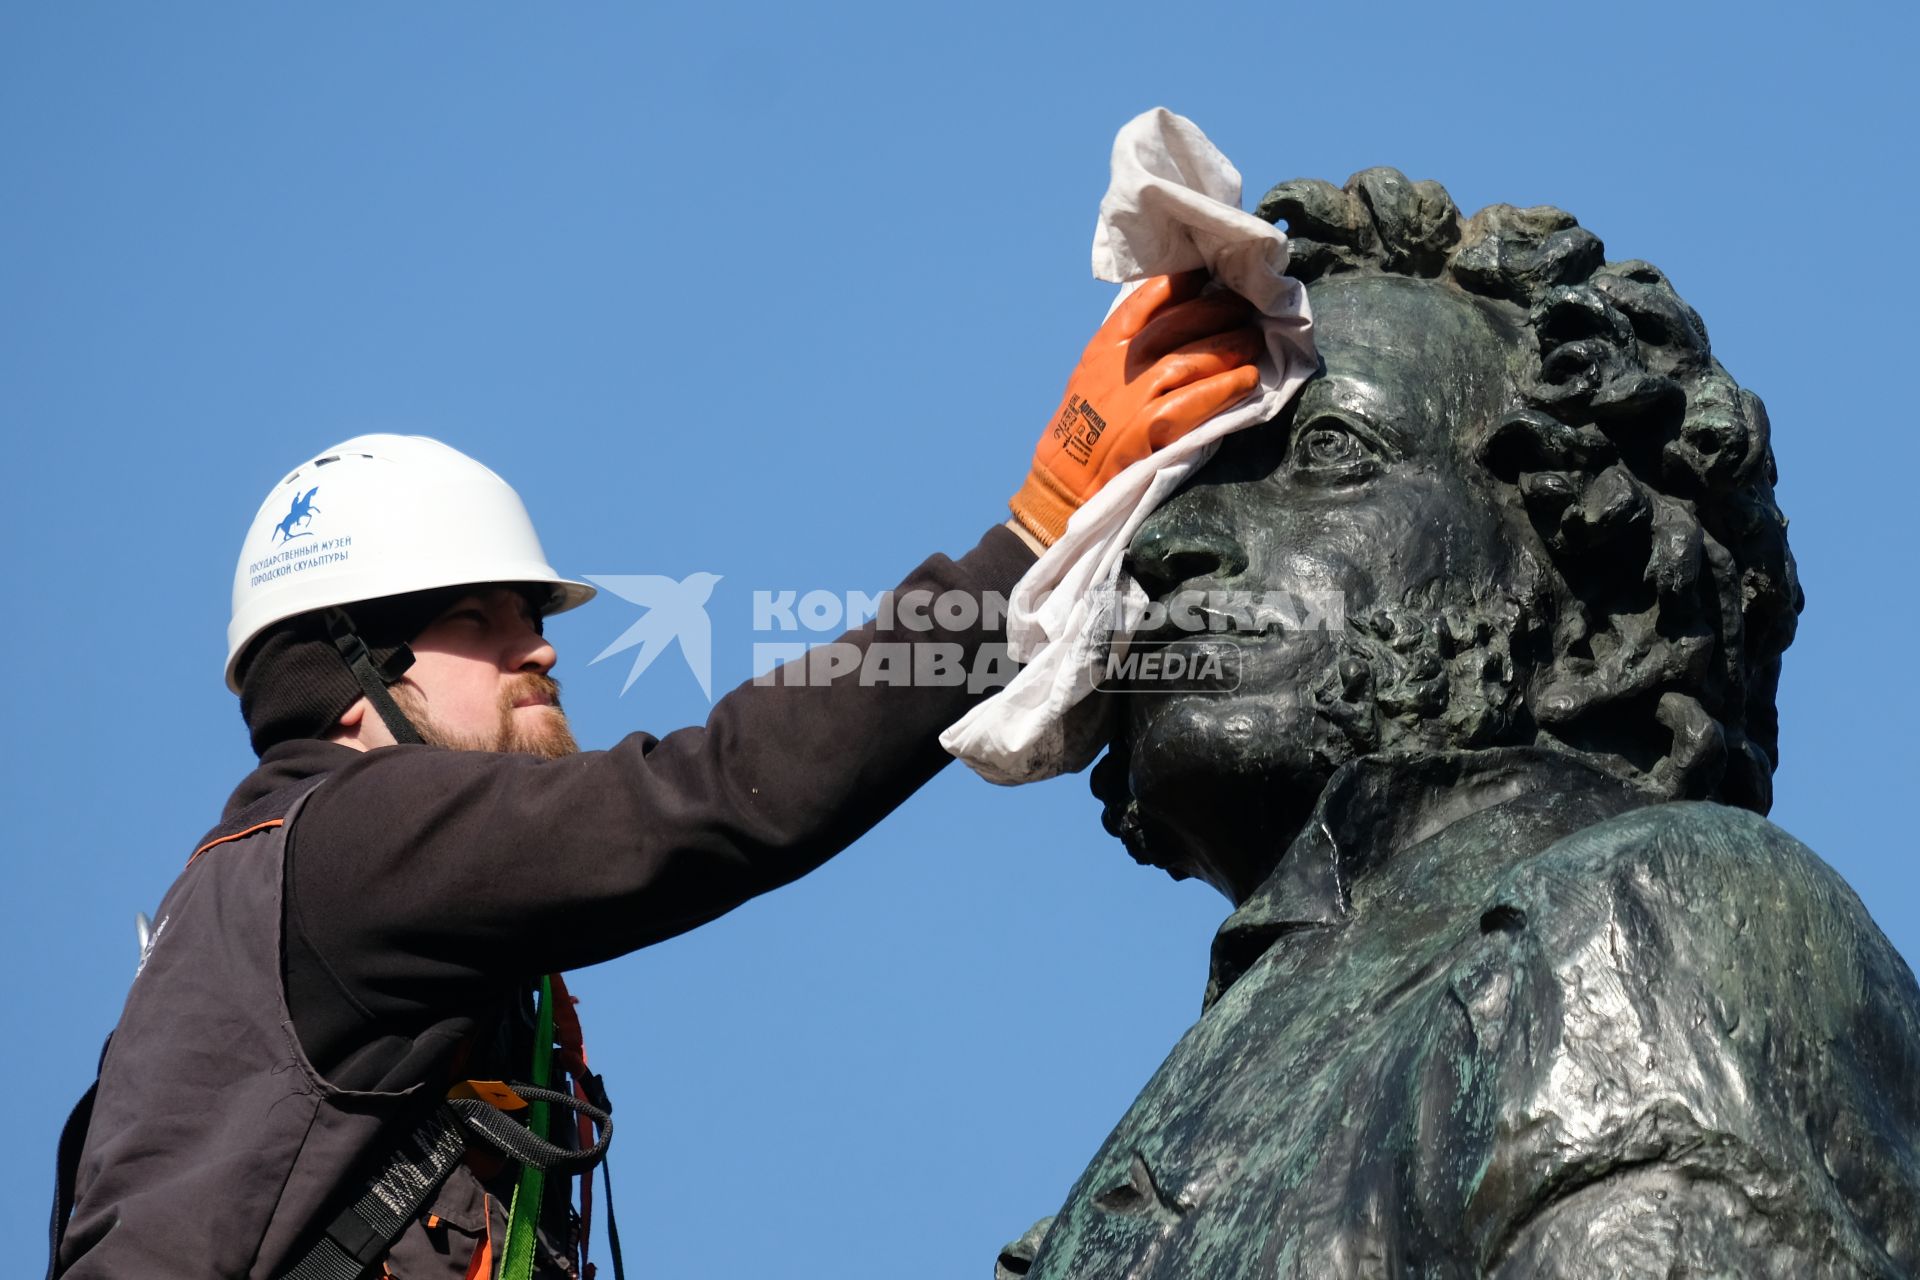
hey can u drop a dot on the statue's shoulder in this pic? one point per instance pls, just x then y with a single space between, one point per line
1703 994
1703 898
1691 829
1729 877
1719 895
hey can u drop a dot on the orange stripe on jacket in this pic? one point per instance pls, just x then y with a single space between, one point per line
238 835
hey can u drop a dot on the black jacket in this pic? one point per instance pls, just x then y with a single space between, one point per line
418 890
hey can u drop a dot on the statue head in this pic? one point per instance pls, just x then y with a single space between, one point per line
1546 507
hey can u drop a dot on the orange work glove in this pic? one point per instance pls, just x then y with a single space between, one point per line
1164 362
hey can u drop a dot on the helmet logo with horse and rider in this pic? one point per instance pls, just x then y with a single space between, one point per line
301 514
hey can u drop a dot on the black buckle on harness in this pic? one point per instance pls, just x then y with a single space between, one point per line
357 1238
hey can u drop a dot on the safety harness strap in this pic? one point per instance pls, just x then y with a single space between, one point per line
613 1228
523 1213
570 1052
511 1138
373 679
363 1232
360 1236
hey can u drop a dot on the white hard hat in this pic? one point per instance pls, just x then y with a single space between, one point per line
382 515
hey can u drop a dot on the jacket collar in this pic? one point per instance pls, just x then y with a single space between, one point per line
286 764
1373 809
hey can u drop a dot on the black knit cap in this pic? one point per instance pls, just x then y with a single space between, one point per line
293 681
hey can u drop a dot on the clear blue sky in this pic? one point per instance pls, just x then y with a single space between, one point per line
784 293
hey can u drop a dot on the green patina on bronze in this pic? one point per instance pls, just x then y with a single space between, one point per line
1519 982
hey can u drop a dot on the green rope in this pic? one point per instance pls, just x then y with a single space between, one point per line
517 1262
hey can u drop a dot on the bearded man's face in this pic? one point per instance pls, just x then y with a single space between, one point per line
1368 490
479 678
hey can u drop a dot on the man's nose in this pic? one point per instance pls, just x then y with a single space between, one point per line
538 655
1168 552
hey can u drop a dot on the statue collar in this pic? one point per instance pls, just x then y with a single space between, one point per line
1372 809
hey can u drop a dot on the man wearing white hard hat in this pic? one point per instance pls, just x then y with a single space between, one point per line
348 1051
350 557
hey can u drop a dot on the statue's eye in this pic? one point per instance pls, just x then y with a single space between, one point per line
1327 446
1330 448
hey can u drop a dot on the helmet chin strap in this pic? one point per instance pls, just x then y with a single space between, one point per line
373 679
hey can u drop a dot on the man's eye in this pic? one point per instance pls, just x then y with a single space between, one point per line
1329 445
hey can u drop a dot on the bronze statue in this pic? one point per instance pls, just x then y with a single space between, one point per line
1519 982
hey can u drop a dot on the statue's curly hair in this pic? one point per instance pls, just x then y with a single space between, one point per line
1659 591
1643 468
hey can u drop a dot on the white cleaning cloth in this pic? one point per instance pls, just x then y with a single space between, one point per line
1173 204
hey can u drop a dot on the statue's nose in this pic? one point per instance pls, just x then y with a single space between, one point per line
1166 553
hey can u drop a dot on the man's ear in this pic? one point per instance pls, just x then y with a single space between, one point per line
347 728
